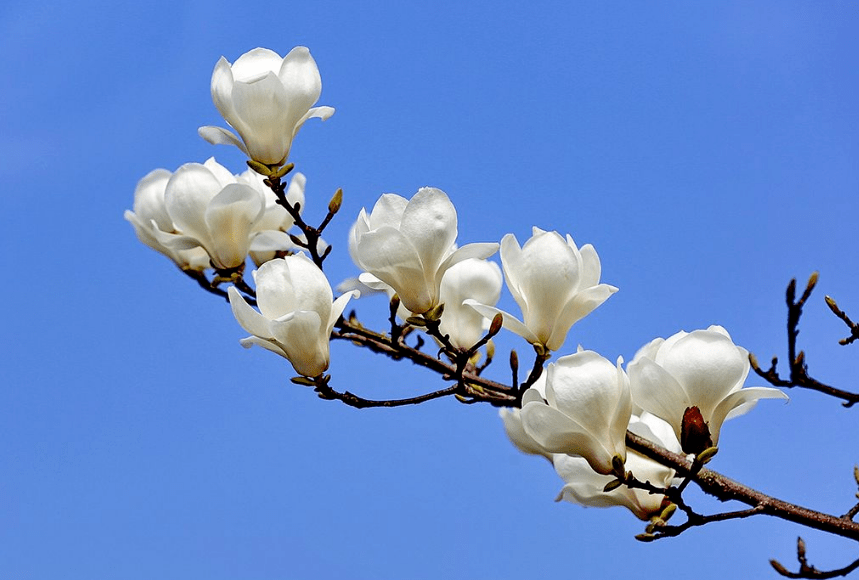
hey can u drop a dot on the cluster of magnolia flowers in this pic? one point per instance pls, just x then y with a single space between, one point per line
676 392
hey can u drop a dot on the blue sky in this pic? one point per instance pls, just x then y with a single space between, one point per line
707 150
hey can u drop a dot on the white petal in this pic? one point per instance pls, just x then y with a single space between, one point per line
149 202
580 305
222 89
740 399
220 136
509 321
266 118
591 268
230 218
516 433
557 433
300 77
657 392
302 338
707 365
429 223
251 320
187 196
255 64
388 254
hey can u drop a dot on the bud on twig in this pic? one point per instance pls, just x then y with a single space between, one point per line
668 512
694 432
260 168
612 485
495 327
304 381
278 173
336 202
705 456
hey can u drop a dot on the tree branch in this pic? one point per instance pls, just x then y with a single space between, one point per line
725 489
796 361
808 571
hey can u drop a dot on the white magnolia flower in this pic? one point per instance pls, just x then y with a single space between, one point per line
409 245
586 412
150 216
555 284
512 419
585 487
476 279
296 314
703 369
266 98
210 209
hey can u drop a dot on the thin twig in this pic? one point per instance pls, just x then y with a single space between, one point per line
853 326
808 571
726 489
799 376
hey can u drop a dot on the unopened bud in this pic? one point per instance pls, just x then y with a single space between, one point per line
779 568
490 350
612 485
668 512
434 314
694 432
753 360
336 202
304 381
800 547
705 456
260 168
497 322
856 473
617 466
278 173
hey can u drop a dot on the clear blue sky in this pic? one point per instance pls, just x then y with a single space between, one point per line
709 151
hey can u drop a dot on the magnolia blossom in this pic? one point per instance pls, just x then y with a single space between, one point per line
296 314
512 419
472 278
583 486
266 98
697 376
150 216
409 245
555 284
586 412
210 209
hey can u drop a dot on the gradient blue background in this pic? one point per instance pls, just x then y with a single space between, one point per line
708 150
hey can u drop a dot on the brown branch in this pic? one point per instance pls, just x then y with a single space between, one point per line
469 384
326 392
212 287
312 235
799 376
725 489
853 326
808 571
